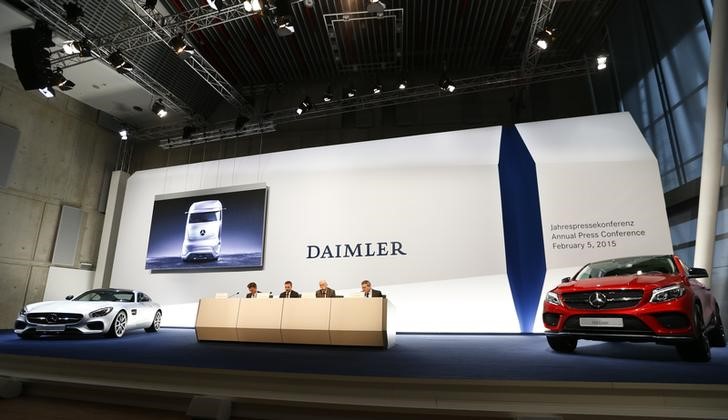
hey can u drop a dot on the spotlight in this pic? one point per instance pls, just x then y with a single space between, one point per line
48 92
304 106
61 82
73 12
350 93
187 132
240 122
159 109
252 6
216 4
124 134
546 38
446 85
150 4
377 89
179 45
82 47
283 14
119 63
328 96
402 85
376 6
601 61
308 3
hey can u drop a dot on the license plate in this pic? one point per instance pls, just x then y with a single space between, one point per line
50 328
601 322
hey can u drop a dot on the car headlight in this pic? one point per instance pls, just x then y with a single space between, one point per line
23 311
101 312
553 298
664 294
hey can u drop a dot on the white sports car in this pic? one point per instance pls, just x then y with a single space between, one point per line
98 311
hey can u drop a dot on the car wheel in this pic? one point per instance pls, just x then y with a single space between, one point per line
118 326
155 324
697 350
562 344
716 336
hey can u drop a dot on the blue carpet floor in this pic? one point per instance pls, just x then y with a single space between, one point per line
489 357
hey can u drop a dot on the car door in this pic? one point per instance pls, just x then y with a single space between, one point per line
702 292
146 309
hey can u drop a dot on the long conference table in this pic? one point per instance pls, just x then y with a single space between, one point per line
333 321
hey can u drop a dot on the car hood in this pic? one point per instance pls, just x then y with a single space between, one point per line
68 306
643 281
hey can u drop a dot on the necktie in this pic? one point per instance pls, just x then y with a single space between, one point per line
366 294
288 294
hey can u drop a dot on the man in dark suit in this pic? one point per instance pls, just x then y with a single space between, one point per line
366 288
289 292
324 291
253 289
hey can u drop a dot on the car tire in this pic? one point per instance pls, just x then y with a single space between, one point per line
698 349
716 336
118 325
155 323
562 344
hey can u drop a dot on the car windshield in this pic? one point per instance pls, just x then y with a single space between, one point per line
628 266
208 216
106 296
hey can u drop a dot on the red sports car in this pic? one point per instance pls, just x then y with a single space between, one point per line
649 298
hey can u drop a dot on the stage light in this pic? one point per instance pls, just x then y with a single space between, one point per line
82 47
179 45
601 61
377 88
446 85
73 12
350 93
402 85
305 105
376 6
240 122
159 109
119 63
308 3
216 4
124 134
283 18
48 92
329 95
252 6
150 4
187 132
545 38
57 79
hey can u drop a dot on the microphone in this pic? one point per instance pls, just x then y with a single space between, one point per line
236 293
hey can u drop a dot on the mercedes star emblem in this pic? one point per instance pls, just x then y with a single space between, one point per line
202 232
598 300
52 317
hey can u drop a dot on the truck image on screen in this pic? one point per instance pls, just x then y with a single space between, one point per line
203 231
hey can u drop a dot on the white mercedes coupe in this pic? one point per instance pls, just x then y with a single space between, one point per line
98 311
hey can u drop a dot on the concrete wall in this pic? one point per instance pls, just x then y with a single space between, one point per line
61 159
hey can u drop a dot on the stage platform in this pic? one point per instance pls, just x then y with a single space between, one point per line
481 372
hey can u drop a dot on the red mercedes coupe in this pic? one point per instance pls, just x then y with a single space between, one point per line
648 298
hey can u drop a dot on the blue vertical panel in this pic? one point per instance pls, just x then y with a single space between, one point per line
525 257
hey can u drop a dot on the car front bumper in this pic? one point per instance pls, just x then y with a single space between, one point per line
85 326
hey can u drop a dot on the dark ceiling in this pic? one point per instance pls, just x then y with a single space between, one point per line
471 36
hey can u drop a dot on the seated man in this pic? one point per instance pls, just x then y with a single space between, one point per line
253 289
324 291
366 288
289 292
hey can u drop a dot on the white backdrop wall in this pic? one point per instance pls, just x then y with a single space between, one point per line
438 195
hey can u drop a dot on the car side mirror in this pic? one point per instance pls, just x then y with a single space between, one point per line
69 297
697 273
566 279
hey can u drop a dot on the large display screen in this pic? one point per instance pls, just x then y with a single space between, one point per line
208 231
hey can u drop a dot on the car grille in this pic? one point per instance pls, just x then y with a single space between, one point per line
53 318
616 299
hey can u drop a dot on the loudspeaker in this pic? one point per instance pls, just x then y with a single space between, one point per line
32 60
